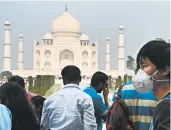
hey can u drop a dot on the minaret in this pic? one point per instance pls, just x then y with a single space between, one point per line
121 57
7 47
66 8
20 53
107 67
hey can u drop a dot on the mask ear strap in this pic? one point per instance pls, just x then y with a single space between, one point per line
155 73
163 80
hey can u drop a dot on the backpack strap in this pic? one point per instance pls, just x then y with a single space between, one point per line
124 107
118 94
120 90
126 112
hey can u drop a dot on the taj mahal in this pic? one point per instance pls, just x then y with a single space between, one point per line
63 45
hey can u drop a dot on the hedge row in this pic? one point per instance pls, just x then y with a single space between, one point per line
41 84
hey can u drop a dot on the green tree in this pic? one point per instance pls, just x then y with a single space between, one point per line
131 65
129 78
6 74
110 81
116 84
119 81
42 84
30 81
125 79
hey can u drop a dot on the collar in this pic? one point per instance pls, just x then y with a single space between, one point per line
92 88
71 85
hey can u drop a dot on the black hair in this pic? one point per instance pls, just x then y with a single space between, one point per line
36 103
157 51
18 80
38 100
71 73
97 78
14 97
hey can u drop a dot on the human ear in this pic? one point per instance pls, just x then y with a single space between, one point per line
166 71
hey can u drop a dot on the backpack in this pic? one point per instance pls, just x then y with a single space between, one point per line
117 116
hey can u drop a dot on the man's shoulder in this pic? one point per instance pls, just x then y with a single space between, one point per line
98 96
3 107
128 86
4 110
52 97
162 114
129 92
90 91
79 95
163 104
84 95
87 89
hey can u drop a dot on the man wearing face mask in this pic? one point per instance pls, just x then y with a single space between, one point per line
154 74
99 84
140 106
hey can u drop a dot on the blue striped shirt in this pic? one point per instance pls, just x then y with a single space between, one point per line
140 105
5 118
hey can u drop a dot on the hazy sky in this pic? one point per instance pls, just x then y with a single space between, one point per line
143 21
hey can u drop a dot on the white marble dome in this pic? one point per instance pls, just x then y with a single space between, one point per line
7 22
84 37
121 26
48 35
66 23
20 35
107 38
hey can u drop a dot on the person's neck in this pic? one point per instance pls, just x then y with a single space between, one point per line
162 91
71 83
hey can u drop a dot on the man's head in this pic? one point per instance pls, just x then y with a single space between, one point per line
71 74
154 59
99 81
17 79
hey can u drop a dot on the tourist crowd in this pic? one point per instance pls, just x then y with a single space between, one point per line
142 104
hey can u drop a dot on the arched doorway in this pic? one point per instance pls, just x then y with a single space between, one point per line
47 54
66 57
84 55
47 66
37 65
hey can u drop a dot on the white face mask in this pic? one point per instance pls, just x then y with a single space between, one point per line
143 82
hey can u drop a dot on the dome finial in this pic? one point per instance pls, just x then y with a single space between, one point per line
66 8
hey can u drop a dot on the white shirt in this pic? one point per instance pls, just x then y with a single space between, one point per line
68 109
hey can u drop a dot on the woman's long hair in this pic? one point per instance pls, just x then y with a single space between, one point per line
13 96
